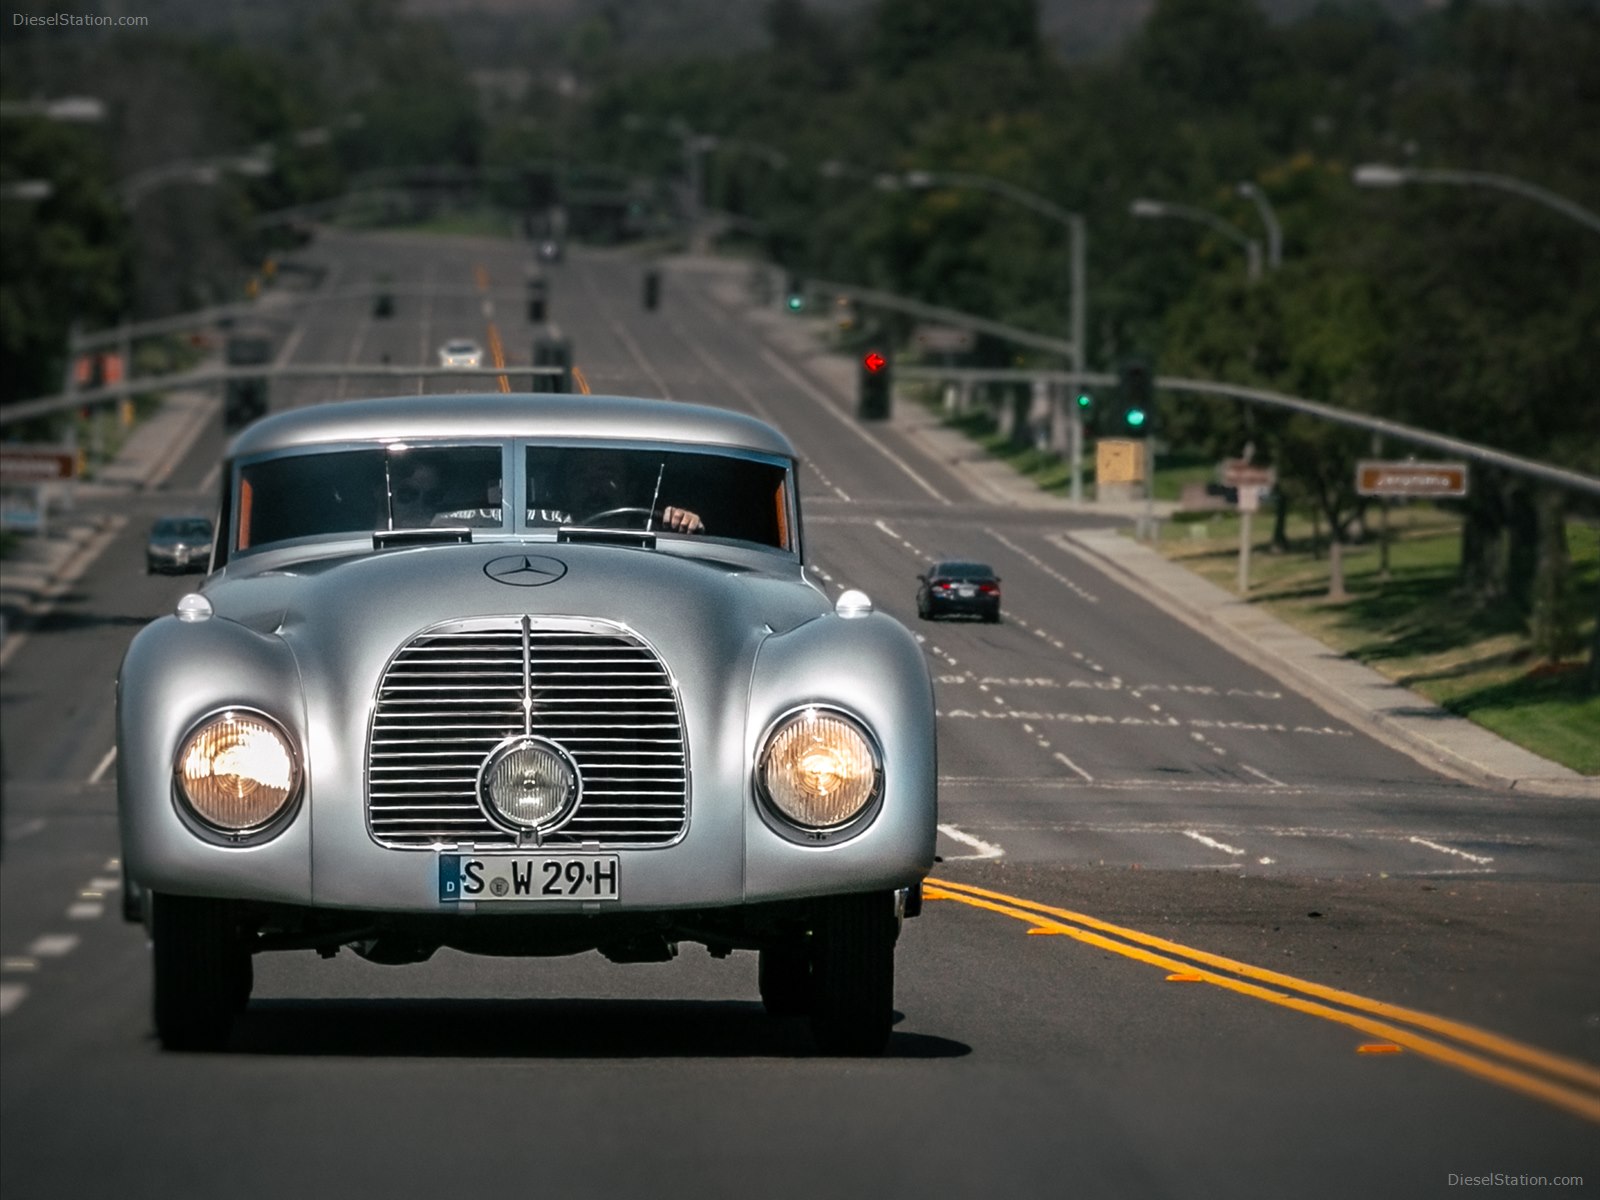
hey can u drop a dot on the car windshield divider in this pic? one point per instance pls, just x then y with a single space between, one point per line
607 537
383 539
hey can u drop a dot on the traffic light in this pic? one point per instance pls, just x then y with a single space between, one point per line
794 296
874 379
652 289
1084 406
1135 400
538 298
553 352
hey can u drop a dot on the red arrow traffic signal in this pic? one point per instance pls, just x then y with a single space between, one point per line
874 362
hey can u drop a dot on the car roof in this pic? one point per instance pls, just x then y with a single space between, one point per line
497 415
970 568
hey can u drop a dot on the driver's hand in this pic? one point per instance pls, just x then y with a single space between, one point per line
681 520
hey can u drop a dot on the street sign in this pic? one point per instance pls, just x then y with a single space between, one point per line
1236 473
36 464
944 339
1376 478
1119 461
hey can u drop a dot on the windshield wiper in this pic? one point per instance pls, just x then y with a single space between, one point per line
431 535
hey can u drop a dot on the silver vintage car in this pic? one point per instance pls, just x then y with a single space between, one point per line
522 675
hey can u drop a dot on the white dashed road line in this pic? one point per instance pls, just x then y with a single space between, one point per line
105 765
1480 859
11 995
984 849
54 945
1213 843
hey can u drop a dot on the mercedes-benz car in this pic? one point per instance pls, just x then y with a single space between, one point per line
522 675
177 544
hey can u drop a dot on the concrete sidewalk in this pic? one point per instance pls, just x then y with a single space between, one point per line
1355 693
41 569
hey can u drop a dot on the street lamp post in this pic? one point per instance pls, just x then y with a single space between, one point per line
1077 303
1385 175
1268 218
1164 208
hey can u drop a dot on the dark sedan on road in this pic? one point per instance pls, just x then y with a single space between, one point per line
970 588
178 545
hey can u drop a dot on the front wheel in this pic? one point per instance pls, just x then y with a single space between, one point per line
202 970
852 973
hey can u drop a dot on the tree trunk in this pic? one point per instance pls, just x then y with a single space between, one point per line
1554 622
1280 523
1592 679
1483 545
1525 551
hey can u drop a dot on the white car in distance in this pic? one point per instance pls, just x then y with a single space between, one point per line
460 352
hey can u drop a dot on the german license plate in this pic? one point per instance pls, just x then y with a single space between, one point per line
491 877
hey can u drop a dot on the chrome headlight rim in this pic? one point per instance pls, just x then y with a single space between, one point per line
264 830
538 830
782 822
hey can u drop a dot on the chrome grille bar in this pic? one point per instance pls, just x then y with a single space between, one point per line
453 694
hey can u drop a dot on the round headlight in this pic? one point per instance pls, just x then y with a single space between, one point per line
237 771
529 783
819 769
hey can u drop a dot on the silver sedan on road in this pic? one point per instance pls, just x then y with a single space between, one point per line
526 675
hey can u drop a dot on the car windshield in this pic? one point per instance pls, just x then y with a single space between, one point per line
460 348
963 570
182 527
339 492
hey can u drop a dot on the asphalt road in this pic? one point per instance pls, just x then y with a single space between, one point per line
1193 936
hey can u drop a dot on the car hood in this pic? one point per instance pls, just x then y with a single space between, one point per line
385 597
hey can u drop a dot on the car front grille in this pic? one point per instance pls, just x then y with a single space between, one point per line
456 692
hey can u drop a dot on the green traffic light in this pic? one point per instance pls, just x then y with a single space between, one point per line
1085 400
1136 417
796 303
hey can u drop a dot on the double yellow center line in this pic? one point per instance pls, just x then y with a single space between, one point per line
1563 1082
497 350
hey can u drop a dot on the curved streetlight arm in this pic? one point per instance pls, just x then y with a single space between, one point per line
1165 208
1385 175
1269 219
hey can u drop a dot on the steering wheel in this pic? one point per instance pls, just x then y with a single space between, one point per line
627 510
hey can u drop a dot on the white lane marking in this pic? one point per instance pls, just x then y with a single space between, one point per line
1262 775
623 336
54 945
105 765
911 547
984 849
209 483
832 410
1477 858
26 829
1072 766
112 864
11 995
104 884
43 605
1212 842
85 911
1070 585
19 963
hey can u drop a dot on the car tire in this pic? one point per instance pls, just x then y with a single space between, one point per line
992 618
201 967
785 980
852 974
